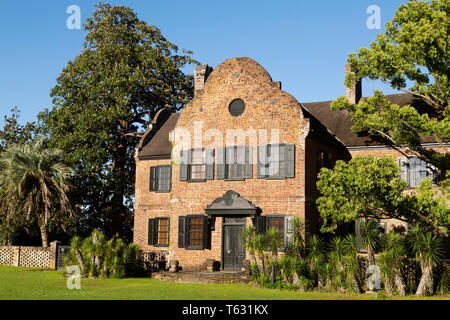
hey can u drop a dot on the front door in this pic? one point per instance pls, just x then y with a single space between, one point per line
233 243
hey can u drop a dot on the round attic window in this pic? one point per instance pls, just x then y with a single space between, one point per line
237 107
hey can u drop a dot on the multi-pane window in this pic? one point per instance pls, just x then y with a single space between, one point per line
276 222
158 232
276 164
276 161
413 170
163 232
198 166
160 178
282 223
235 159
195 231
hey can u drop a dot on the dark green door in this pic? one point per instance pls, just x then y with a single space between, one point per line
233 244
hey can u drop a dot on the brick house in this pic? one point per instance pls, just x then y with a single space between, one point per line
242 152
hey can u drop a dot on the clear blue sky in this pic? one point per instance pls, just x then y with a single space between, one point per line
303 44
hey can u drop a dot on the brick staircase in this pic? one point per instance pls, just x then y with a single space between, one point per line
219 277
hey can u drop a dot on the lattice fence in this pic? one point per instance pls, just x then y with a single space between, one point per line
7 256
35 257
155 260
32 257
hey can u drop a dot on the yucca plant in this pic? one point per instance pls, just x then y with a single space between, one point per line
249 235
370 236
98 257
393 258
351 262
428 251
316 255
260 247
274 242
298 237
286 265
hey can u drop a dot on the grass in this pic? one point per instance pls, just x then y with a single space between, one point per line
40 284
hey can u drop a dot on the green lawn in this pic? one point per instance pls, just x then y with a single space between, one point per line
39 284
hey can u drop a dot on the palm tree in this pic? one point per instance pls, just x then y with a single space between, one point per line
428 251
370 235
260 247
392 258
35 179
249 235
274 242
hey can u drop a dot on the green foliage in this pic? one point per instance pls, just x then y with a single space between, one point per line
411 56
366 187
370 188
98 257
34 184
109 93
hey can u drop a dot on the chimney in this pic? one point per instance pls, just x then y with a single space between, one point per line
354 92
201 73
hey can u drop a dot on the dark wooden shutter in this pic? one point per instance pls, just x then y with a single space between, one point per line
289 229
181 232
248 166
205 233
152 232
261 224
262 161
290 160
184 161
153 181
209 158
221 164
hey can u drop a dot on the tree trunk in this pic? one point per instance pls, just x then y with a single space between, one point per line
388 287
426 281
355 284
370 256
262 269
118 211
44 234
399 283
80 261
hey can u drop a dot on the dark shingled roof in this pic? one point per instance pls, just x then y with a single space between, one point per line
159 145
339 123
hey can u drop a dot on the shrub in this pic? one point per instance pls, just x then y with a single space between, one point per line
98 257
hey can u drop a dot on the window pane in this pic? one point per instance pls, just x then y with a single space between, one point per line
195 231
198 172
197 157
163 232
163 178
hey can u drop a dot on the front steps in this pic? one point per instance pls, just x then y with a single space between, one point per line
220 277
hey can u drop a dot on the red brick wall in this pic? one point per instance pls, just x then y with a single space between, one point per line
267 107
